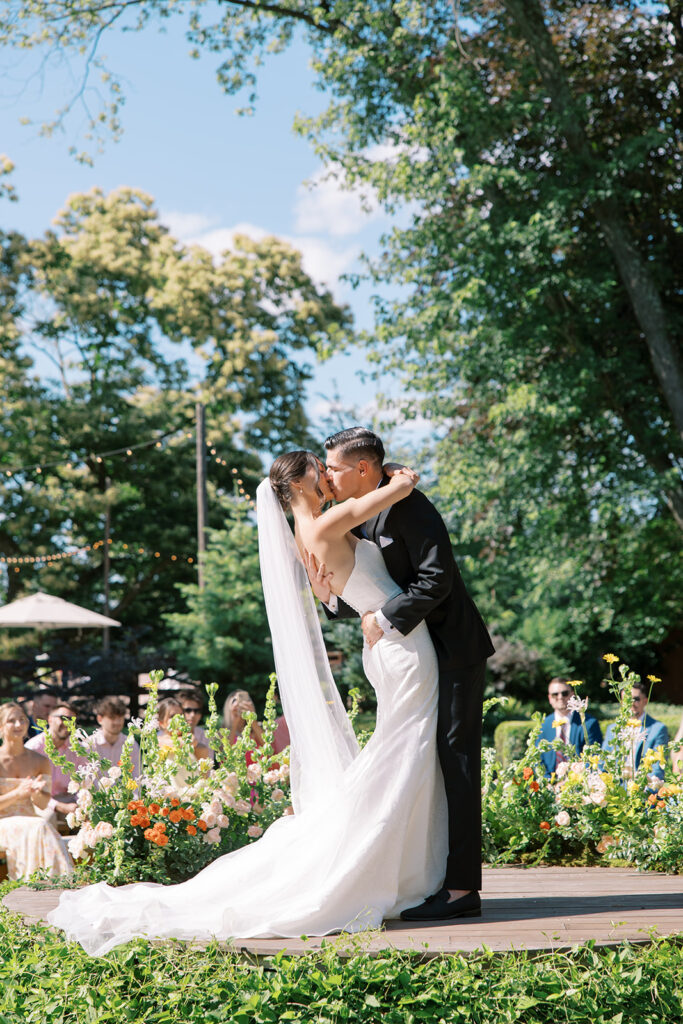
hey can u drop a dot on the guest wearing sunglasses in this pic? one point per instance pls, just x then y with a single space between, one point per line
563 724
61 801
192 706
648 734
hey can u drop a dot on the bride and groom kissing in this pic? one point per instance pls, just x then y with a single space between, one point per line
417 553
393 829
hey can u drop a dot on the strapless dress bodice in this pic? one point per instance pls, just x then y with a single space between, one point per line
369 586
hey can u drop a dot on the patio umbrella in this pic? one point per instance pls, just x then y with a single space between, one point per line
43 611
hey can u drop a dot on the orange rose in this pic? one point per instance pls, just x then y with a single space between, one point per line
175 817
545 825
652 799
188 814
132 805
527 773
175 802
202 825
191 830
162 840
160 826
150 834
534 786
154 808
164 811
660 804
143 822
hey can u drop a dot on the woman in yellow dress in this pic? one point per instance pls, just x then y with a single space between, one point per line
27 840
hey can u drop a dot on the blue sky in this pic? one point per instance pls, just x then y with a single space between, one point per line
210 171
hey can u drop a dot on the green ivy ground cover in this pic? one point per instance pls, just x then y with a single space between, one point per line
43 980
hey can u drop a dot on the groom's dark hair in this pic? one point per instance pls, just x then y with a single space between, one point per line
357 441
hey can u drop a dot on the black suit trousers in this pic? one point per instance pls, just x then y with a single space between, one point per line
458 737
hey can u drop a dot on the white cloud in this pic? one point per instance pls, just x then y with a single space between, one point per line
325 205
184 225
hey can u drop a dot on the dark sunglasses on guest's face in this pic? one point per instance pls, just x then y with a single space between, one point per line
637 700
63 718
191 711
560 693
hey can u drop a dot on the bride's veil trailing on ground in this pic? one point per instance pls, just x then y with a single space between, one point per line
323 741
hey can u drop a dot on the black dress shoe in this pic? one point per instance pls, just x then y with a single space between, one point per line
438 908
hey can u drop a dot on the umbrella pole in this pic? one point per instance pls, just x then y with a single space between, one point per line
105 566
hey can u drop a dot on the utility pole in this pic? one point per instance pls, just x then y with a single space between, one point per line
201 493
105 564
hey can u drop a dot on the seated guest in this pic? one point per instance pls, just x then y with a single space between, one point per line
28 841
192 704
107 741
237 705
647 733
39 705
561 724
167 709
61 801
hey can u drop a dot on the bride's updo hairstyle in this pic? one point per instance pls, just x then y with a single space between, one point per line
286 469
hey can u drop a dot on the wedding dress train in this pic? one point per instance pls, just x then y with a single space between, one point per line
372 846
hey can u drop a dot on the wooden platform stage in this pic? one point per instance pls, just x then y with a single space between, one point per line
523 908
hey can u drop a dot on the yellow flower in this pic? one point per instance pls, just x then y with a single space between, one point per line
632 787
131 784
610 658
634 723
164 752
594 761
574 682
654 679
557 722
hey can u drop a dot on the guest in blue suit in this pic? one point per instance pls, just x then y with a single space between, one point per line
652 734
561 724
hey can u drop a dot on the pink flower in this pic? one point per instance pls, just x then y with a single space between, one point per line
562 818
272 776
104 829
242 807
216 806
212 836
210 819
253 773
278 795
254 831
223 821
231 783
228 799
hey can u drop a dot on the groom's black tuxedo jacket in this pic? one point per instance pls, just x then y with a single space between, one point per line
417 552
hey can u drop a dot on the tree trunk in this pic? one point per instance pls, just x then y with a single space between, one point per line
646 301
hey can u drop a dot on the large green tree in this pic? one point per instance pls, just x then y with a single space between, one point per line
117 309
538 145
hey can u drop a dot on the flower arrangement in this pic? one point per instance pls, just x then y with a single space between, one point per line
598 807
181 813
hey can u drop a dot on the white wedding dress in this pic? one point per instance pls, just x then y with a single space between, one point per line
363 852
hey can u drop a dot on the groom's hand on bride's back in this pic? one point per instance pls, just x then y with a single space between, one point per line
319 576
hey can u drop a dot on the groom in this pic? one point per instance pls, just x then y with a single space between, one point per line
417 552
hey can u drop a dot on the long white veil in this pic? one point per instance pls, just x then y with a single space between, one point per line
323 741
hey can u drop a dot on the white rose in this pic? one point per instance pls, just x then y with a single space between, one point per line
104 829
223 821
228 800
562 818
216 806
106 783
254 831
272 776
253 773
210 819
114 772
71 819
284 772
73 786
231 783
84 798
242 807
277 795
212 836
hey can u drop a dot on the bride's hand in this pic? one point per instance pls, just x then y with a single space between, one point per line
402 478
319 576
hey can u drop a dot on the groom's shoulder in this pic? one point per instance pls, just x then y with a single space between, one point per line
417 505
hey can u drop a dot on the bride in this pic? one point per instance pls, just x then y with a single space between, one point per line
368 837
